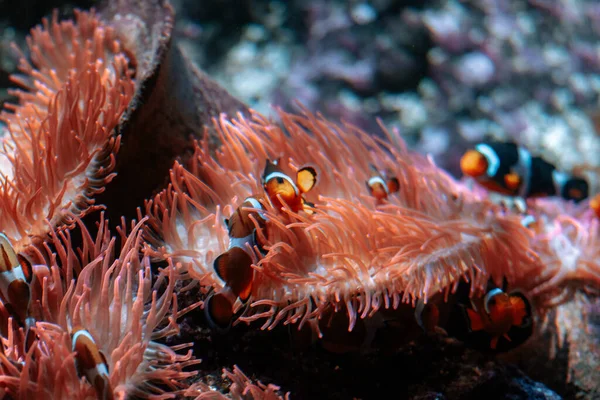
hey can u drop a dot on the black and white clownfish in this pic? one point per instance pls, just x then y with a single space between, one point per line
380 185
16 274
281 187
234 266
496 322
511 170
91 363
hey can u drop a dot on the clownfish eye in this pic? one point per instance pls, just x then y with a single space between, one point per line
279 180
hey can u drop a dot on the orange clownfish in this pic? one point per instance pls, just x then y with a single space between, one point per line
497 313
280 186
241 223
380 186
91 363
234 266
16 274
511 170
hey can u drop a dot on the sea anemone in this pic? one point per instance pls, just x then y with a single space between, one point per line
119 301
566 238
352 253
60 147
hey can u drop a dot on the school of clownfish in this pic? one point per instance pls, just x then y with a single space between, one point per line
497 315
493 318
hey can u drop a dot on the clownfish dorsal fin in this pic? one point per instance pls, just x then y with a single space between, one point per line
8 256
26 267
306 178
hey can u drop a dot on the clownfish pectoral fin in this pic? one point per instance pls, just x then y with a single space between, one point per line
218 310
475 322
308 206
306 179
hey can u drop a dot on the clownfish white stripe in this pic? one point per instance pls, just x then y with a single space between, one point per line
76 335
377 179
256 204
245 243
489 295
491 157
559 179
524 170
274 175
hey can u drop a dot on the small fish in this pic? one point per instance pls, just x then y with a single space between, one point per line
16 274
234 266
241 226
511 170
497 313
280 186
494 322
91 363
380 186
